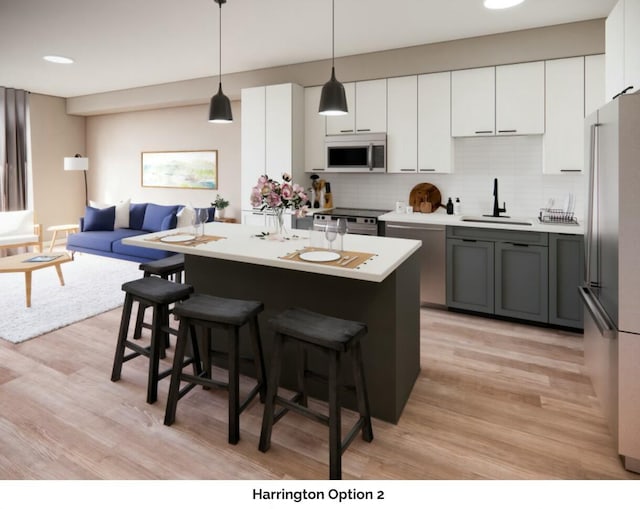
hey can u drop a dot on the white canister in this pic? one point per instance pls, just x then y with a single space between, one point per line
400 207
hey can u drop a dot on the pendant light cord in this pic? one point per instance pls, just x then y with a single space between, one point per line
220 45
333 33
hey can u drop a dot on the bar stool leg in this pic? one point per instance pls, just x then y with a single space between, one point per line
174 387
256 344
272 392
157 336
301 353
335 439
122 337
361 393
234 386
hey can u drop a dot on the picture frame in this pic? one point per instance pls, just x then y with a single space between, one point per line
181 169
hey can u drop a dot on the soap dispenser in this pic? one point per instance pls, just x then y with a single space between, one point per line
450 207
457 207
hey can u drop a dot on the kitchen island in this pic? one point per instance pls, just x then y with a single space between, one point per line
383 292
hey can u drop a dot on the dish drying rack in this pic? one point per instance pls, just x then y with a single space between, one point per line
558 216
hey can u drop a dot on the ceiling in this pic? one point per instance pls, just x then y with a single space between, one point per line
119 44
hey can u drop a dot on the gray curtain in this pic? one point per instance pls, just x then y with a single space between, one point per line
14 107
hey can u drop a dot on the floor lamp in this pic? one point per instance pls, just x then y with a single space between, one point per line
78 163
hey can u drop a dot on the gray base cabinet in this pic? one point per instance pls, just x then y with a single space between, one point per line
518 274
470 275
566 272
521 282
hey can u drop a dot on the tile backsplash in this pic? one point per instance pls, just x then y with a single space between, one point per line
516 161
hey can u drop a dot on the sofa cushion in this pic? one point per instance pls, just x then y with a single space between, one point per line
211 212
136 215
99 240
155 214
16 222
122 211
185 217
99 219
138 252
169 222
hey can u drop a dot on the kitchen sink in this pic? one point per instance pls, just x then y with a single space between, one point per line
498 220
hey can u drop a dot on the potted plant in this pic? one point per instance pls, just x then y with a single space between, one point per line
220 204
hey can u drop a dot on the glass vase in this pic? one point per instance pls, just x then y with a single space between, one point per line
277 230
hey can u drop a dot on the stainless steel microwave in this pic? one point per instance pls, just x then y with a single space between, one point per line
356 153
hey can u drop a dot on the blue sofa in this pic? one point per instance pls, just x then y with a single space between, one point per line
101 232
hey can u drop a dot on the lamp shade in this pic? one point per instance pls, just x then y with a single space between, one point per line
220 108
76 163
333 100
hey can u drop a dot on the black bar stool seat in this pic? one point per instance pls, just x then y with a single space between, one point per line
334 337
210 312
159 294
171 268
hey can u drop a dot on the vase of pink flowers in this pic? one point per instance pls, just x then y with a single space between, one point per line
275 197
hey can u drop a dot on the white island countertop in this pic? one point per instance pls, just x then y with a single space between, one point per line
240 244
442 218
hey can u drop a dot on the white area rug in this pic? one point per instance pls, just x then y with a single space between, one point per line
93 285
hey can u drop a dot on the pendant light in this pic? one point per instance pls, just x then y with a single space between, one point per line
333 100
220 106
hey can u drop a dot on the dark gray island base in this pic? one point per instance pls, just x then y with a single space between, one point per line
391 310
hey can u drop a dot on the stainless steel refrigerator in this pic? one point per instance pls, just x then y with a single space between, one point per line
611 290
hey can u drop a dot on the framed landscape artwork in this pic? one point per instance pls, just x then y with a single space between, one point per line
196 169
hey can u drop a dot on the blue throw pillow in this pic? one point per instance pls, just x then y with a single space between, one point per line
155 214
169 222
136 215
96 220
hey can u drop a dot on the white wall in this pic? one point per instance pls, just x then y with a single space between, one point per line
115 143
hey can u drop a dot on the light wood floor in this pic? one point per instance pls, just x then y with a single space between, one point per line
494 400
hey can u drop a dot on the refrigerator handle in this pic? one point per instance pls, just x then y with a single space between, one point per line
593 168
607 329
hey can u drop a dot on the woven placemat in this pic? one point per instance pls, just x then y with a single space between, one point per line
347 260
203 239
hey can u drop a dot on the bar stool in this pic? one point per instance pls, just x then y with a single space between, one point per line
170 268
210 312
159 294
333 337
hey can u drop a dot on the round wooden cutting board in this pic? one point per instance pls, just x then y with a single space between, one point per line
425 198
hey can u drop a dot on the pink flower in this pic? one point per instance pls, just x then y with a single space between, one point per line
286 192
256 197
286 177
262 180
273 200
302 211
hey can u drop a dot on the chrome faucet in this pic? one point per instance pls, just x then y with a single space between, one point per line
496 208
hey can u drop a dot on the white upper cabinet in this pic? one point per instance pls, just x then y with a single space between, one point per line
402 130
272 134
435 145
367 105
622 46
520 105
314 131
563 142
502 100
371 106
594 78
473 110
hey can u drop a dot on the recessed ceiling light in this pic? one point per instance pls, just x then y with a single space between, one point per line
57 59
501 4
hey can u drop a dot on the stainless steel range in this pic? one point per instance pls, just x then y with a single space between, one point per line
359 221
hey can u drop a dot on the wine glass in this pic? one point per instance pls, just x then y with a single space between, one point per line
203 215
330 233
342 229
196 222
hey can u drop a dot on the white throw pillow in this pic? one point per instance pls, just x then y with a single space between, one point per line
185 217
122 211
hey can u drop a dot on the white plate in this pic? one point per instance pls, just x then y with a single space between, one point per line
178 238
319 256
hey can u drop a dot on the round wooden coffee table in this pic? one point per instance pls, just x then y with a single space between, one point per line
22 263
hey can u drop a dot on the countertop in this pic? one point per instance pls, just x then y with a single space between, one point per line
442 218
240 244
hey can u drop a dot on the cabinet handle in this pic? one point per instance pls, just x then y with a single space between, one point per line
427 169
469 240
363 130
346 130
416 227
519 245
407 169
484 132
569 170
507 130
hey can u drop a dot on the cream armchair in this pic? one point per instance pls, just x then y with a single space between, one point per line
17 229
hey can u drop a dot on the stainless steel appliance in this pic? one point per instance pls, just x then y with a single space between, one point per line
359 221
356 153
611 290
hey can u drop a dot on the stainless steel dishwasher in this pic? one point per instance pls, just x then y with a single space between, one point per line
433 280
